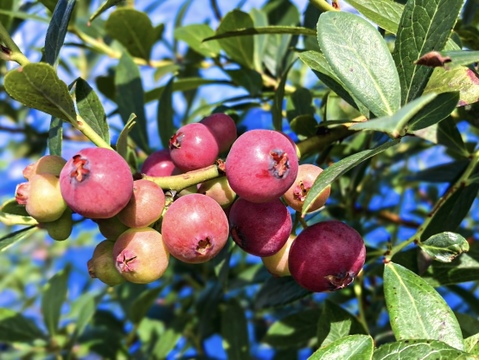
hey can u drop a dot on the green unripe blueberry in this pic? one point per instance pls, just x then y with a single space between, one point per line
61 228
102 264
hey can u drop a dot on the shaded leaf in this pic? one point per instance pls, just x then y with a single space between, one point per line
91 109
279 291
11 213
425 26
336 170
234 330
304 125
336 323
435 111
55 136
36 85
250 79
140 306
194 35
293 330
122 142
416 310
417 349
14 327
451 213
240 49
134 30
445 247
54 295
57 29
264 30
361 59
6 19
396 125
448 172
165 114
10 239
277 108
130 98
348 347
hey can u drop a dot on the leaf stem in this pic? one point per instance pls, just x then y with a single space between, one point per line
81 125
322 5
12 52
319 142
460 183
358 292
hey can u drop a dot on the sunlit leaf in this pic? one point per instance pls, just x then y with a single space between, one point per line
425 26
57 29
385 13
359 56
194 35
104 7
54 295
445 246
348 347
418 349
7 240
416 310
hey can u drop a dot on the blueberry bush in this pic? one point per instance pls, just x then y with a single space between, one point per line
163 159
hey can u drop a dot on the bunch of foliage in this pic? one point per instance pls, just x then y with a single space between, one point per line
367 95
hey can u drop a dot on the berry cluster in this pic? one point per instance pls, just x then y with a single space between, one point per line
144 224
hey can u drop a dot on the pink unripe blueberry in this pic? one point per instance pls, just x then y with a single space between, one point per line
296 194
193 147
260 229
140 255
194 228
326 256
47 164
145 206
96 183
261 165
159 163
223 128
102 264
42 197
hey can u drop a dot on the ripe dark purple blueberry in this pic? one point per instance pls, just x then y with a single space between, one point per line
140 255
223 128
261 165
96 183
326 256
194 228
193 147
260 229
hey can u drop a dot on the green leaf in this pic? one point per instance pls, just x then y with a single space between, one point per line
104 7
264 30
195 35
170 337
11 213
240 49
336 170
91 109
348 347
435 111
14 327
336 323
396 125
451 213
140 306
130 98
54 295
385 13
36 85
234 330
55 136
321 68
293 330
122 142
472 344
416 310
57 29
10 239
417 349
361 58
277 291
277 108
461 57
134 30
49 4
425 26
165 114
460 79
6 20
250 79
304 125
445 247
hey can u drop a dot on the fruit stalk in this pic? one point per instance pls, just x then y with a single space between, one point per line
182 181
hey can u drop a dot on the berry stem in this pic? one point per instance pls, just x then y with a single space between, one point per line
322 5
182 181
